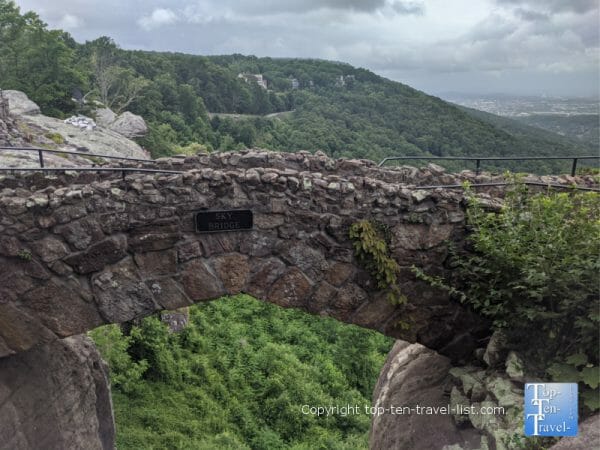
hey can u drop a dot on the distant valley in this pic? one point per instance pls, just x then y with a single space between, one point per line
576 118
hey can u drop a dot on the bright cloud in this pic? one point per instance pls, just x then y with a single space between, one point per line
70 22
158 18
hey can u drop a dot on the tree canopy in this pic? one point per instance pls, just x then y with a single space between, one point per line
188 100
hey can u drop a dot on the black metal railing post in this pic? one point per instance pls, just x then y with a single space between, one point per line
574 167
478 166
41 157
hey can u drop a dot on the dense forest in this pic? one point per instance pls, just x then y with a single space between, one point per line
238 374
237 377
334 107
583 127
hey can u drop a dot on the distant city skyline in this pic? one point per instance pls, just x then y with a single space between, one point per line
516 47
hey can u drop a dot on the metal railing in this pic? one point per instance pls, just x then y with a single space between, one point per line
503 184
479 159
41 152
125 170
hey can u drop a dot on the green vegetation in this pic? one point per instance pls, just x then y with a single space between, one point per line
372 251
24 254
534 272
583 127
237 378
342 110
57 138
36 60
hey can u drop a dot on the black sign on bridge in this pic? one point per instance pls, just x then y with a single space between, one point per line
222 221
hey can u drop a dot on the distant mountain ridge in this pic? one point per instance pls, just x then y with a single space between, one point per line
342 110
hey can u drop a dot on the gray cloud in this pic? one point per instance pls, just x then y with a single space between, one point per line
555 6
416 8
303 6
435 46
531 16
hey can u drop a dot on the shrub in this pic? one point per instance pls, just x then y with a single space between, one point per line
57 138
533 271
125 374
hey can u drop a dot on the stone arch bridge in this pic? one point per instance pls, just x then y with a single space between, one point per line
81 249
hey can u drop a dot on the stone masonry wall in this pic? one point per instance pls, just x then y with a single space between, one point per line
81 249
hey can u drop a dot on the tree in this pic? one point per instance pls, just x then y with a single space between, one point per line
116 86
37 61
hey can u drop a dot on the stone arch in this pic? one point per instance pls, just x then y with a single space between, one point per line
82 251
78 250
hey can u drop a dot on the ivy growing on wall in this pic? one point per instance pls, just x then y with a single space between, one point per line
372 251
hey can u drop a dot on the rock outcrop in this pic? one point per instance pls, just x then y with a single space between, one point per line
100 141
28 128
127 124
56 396
415 376
19 103
483 401
9 134
105 116
588 436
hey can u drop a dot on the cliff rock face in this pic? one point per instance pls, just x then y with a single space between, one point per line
588 436
415 376
26 127
19 103
56 396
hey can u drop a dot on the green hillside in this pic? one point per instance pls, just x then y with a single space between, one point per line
583 127
539 137
237 378
342 110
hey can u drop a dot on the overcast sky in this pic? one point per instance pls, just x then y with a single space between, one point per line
470 46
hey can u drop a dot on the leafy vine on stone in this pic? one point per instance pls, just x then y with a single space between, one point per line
372 251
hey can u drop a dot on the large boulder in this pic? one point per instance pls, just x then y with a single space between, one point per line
130 125
105 116
56 396
27 127
415 375
126 124
19 103
99 140
588 436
